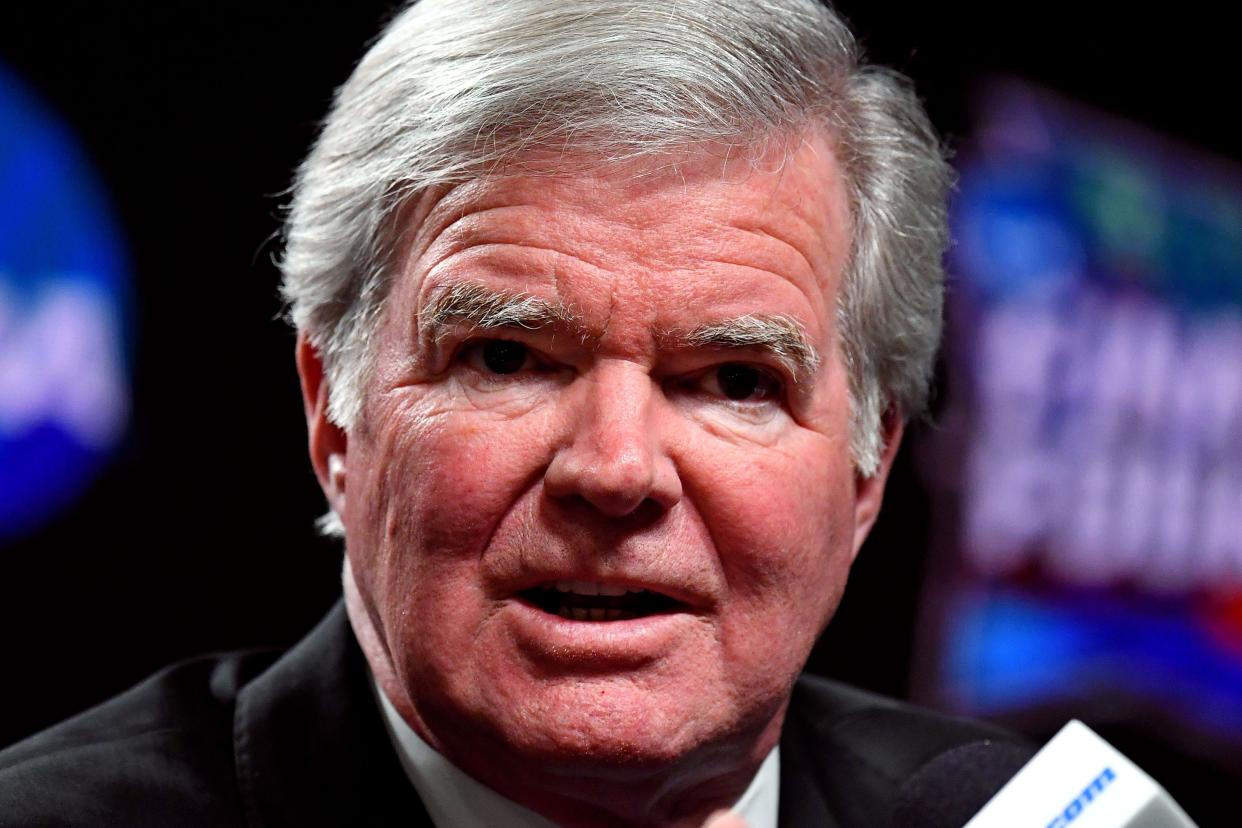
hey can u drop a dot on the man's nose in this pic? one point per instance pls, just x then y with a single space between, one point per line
613 455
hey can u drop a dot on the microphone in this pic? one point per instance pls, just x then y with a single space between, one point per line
1077 780
951 788
1080 780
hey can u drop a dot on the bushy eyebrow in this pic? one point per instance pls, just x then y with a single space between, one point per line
779 335
475 306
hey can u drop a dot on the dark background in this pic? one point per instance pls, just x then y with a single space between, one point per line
199 534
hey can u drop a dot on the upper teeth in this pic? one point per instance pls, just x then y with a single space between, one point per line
592 588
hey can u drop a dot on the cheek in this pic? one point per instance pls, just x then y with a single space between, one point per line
432 485
782 523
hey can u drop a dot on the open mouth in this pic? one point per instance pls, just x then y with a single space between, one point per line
586 601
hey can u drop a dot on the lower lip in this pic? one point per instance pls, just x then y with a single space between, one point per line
599 644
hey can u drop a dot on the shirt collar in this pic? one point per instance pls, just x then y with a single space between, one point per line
455 800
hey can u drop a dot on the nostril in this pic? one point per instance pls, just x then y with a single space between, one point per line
617 497
614 485
580 511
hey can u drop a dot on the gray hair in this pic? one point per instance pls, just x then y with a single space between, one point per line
455 88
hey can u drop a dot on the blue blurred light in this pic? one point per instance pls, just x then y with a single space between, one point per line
64 291
1010 648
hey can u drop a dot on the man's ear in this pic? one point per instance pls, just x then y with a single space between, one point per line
869 491
327 440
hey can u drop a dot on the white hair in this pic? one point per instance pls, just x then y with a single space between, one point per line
455 88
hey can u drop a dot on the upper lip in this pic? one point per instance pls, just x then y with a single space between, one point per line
670 588
593 587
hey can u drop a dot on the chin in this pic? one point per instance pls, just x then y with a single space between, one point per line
609 727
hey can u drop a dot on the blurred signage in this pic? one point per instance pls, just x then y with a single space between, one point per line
1094 423
64 391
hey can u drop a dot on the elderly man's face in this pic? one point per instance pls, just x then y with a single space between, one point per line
600 500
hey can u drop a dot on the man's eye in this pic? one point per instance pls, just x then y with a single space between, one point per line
497 356
741 383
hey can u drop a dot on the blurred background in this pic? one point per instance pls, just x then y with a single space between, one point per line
1064 540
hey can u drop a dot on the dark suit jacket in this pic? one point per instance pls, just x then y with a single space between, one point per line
248 739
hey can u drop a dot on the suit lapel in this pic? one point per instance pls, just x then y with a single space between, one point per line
803 799
310 747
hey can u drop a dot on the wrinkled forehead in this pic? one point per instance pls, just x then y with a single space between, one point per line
788 194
